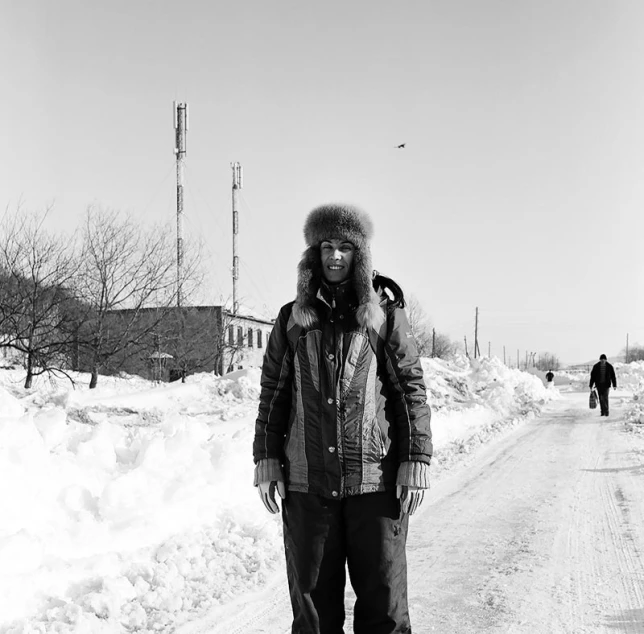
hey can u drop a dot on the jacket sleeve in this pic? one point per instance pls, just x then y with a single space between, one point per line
613 377
592 378
412 413
275 396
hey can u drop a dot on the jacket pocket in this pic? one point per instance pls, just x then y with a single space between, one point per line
377 445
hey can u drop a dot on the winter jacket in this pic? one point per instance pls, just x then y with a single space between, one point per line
341 407
605 381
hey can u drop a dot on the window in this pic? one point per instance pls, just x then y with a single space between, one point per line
240 336
231 336
259 338
250 337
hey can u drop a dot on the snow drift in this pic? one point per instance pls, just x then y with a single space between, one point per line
130 507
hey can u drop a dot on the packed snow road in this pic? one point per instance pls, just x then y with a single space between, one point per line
540 531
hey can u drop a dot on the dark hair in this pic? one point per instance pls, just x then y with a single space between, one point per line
384 284
602 356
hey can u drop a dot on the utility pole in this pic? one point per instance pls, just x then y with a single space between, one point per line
433 342
504 355
626 357
476 333
465 340
237 185
181 127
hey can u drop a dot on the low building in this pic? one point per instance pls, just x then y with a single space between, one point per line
10 356
174 342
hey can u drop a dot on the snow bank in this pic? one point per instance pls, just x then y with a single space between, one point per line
630 387
633 376
473 400
130 507
628 376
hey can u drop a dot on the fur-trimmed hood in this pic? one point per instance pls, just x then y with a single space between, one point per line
343 222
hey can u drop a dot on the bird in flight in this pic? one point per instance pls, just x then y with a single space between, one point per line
401 146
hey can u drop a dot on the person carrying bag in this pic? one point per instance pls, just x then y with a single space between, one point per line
592 399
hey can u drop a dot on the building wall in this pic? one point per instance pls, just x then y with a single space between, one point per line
183 341
11 356
246 340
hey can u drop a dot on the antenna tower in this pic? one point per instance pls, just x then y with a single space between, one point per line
237 185
180 114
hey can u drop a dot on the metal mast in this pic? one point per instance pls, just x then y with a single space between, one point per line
180 113
237 185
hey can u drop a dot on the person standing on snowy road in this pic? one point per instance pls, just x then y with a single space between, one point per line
343 431
602 376
550 377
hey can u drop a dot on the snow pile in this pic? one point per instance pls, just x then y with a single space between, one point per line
130 507
634 411
632 376
475 399
127 505
576 380
629 375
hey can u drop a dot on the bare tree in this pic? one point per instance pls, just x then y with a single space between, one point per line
635 353
191 336
420 326
128 272
37 270
548 361
429 342
444 347
230 345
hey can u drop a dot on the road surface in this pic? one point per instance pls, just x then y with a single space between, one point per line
539 531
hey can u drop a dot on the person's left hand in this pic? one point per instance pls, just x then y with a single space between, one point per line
410 498
267 494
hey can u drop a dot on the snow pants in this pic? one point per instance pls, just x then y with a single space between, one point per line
603 399
365 534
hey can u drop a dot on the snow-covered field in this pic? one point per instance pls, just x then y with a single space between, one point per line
130 508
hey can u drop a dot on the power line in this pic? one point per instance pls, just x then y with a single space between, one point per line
158 188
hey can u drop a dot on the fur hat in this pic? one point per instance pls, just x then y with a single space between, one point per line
341 222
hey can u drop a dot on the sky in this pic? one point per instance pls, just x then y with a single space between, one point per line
130 507
519 190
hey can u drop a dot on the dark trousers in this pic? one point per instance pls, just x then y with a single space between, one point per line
603 399
367 534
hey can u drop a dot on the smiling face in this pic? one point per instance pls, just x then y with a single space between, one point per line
337 260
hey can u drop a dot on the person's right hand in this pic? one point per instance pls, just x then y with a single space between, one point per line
267 494
410 498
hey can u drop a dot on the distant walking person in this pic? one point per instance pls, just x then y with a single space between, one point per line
550 378
602 376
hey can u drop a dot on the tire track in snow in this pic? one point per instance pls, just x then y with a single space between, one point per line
629 558
534 537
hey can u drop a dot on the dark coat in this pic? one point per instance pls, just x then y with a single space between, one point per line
341 407
609 377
